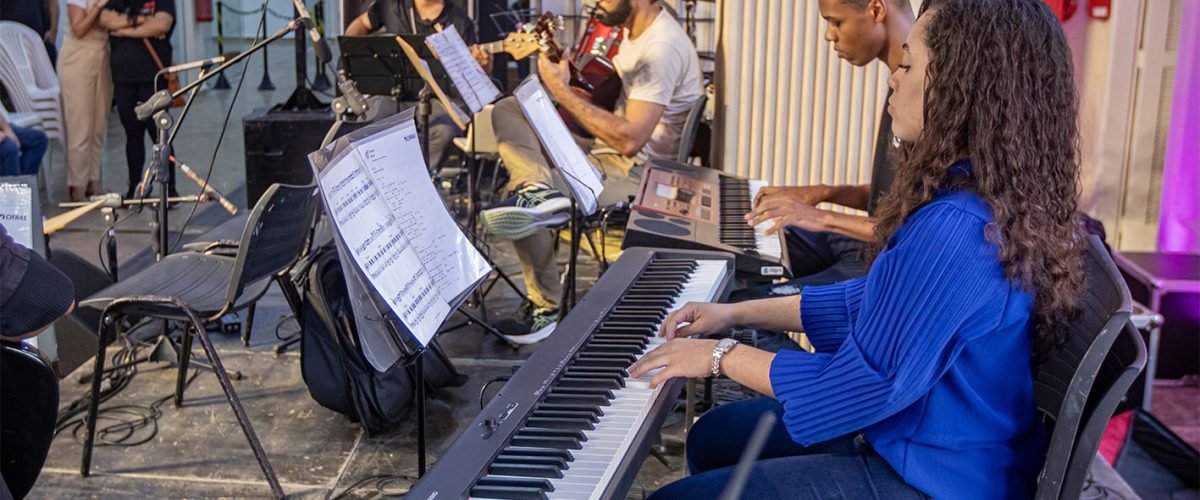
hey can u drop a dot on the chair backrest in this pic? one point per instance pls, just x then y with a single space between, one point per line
690 126
1078 386
484 135
274 235
28 54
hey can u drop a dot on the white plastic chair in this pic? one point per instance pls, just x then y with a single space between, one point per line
49 110
28 54
27 120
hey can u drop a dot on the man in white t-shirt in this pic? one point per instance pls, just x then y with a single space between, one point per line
660 79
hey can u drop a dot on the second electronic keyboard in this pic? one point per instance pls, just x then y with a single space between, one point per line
571 423
685 206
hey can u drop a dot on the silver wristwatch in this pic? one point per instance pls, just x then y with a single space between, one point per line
723 347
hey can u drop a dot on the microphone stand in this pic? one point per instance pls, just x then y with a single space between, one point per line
158 107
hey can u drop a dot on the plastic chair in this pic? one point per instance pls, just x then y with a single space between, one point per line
199 289
690 126
28 52
48 110
1077 387
27 120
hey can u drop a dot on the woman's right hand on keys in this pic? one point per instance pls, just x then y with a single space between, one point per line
699 318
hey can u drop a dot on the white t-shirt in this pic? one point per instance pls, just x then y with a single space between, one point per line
660 66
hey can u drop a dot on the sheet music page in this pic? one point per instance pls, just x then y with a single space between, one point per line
376 241
397 168
475 86
582 177
460 118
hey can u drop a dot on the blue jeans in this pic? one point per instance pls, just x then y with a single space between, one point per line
815 258
844 467
26 159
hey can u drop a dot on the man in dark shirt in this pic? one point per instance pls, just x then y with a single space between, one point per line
825 246
423 17
39 15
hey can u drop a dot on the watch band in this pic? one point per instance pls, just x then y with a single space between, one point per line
722 348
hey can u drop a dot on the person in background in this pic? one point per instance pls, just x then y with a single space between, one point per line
922 383
21 149
39 15
130 25
87 91
825 246
423 17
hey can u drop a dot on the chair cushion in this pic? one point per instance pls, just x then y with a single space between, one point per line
201 281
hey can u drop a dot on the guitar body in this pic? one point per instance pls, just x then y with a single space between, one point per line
28 410
592 64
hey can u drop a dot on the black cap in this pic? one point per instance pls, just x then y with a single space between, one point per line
41 295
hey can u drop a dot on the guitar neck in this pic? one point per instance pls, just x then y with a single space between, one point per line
495 47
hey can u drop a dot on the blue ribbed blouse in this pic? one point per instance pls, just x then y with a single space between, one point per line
928 356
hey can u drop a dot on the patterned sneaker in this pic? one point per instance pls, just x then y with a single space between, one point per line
538 329
530 209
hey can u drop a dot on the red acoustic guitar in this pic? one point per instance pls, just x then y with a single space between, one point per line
596 79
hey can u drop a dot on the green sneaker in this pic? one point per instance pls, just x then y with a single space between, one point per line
532 208
539 327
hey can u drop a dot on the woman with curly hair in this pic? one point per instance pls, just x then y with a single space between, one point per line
922 379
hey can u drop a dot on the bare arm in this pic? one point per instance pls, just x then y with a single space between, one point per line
81 20
52 32
112 20
706 318
625 134
850 196
360 26
154 26
852 226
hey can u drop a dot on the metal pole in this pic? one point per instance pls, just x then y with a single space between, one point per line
266 80
222 83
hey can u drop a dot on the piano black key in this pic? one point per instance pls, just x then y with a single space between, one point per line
579 399
506 457
560 423
508 492
577 415
538 451
595 410
538 484
619 348
525 470
563 442
575 381
583 391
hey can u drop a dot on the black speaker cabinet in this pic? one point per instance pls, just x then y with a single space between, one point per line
278 144
77 332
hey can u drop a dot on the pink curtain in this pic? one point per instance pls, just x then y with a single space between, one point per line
1179 223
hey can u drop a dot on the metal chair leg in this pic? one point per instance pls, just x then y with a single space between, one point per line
249 324
185 357
107 324
238 411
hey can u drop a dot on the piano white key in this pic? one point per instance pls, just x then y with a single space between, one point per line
612 436
769 246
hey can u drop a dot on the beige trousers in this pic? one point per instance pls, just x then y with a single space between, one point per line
87 90
527 164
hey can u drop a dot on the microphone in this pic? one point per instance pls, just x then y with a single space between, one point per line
321 48
157 102
201 63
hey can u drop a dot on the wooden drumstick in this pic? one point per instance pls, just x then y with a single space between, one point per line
61 220
229 207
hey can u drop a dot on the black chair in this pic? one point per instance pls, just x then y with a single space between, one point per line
1077 388
198 289
691 126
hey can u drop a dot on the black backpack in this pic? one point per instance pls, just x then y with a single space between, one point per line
337 374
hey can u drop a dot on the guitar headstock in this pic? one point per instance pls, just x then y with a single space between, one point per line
521 44
547 28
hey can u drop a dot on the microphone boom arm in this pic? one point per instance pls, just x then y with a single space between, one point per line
163 98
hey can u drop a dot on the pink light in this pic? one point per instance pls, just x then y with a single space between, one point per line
1179 219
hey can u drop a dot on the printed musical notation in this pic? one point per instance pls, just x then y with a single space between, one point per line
397 230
